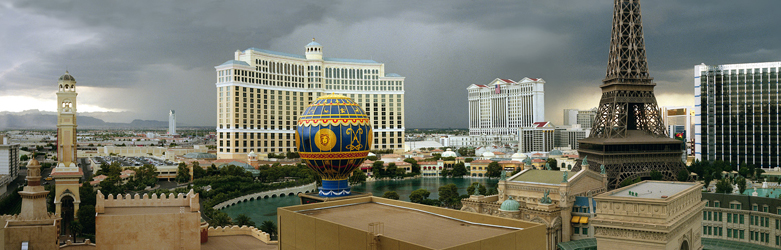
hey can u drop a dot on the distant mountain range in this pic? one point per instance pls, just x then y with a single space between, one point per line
35 119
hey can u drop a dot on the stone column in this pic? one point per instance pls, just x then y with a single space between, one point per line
566 226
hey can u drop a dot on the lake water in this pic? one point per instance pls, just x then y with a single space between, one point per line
266 209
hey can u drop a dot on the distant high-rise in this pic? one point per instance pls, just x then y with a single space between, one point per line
585 118
498 110
736 113
67 173
9 162
628 136
539 137
172 122
261 94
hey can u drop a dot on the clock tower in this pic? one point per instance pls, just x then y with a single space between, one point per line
67 173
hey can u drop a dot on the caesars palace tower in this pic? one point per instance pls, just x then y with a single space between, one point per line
261 93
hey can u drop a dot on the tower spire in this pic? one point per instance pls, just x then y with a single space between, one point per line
628 119
627 62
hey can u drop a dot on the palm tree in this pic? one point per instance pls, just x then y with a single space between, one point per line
220 219
269 227
244 220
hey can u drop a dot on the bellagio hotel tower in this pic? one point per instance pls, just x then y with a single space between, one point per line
260 94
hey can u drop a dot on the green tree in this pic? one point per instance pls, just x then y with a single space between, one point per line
244 220
494 169
683 175
24 158
418 196
741 184
86 216
445 172
220 219
198 171
656 175
390 171
212 170
482 190
371 158
76 228
391 195
554 164
269 227
448 196
628 181
358 177
468 160
378 169
459 170
471 189
87 194
292 155
182 173
723 186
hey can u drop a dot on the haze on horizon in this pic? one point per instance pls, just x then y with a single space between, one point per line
139 59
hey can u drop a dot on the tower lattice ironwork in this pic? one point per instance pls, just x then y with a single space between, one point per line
628 135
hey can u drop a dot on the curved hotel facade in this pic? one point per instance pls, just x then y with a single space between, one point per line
260 94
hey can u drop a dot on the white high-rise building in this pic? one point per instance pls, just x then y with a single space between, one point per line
9 163
737 113
260 94
498 110
172 122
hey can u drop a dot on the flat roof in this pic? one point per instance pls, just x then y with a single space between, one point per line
410 225
142 210
654 190
542 176
236 242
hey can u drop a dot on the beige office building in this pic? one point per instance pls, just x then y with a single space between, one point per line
260 94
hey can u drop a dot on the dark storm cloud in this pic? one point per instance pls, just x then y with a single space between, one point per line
151 56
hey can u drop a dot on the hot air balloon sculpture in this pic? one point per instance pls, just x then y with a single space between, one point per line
333 138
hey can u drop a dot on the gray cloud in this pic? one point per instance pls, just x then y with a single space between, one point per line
146 57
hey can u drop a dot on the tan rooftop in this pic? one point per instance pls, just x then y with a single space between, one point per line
542 176
345 224
653 190
245 242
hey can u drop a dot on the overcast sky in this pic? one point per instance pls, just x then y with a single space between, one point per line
140 58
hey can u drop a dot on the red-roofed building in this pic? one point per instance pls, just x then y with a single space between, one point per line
537 137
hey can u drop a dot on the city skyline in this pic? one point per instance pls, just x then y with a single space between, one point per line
145 59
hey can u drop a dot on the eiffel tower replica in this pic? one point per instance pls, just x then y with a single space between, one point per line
628 135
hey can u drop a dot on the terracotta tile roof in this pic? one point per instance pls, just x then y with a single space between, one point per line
538 160
427 163
482 161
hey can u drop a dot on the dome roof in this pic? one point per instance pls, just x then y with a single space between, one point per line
313 43
519 156
510 205
371 154
33 162
252 154
449 153
67 77
488 155
555 152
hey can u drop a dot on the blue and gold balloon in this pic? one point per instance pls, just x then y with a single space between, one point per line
333 138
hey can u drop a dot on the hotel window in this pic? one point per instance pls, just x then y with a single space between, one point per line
754 207
716 204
